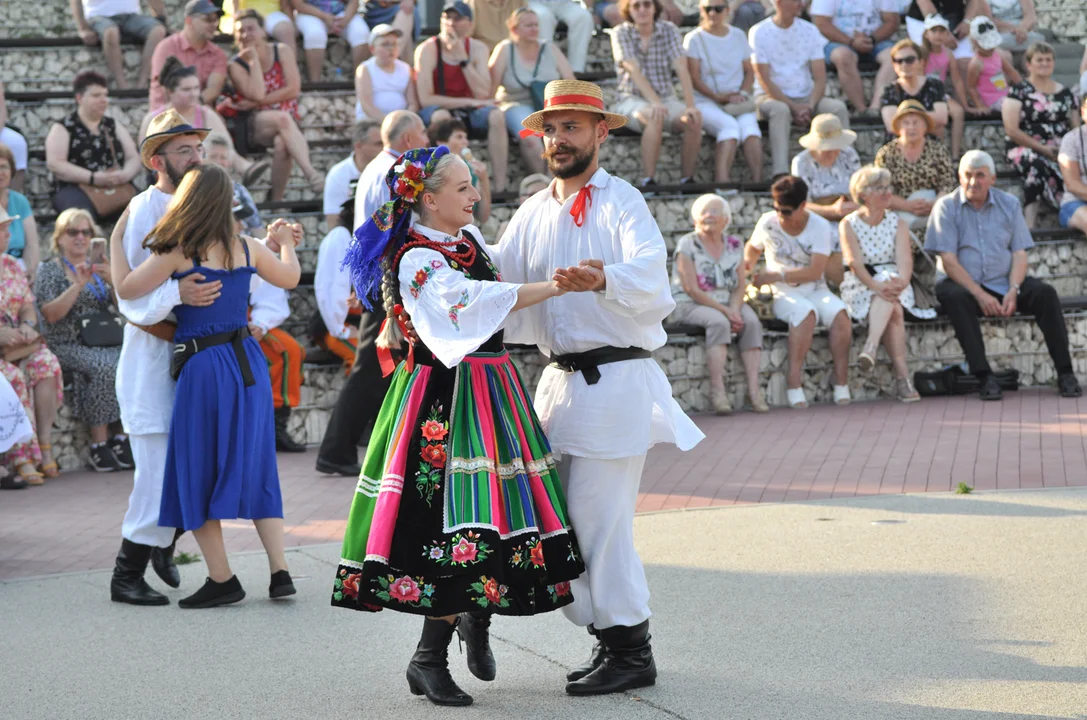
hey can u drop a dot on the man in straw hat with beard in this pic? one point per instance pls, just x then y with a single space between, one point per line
145 390
603 400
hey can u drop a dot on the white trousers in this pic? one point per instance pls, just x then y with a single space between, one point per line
579 27
141 524
600 498
315 34
720 125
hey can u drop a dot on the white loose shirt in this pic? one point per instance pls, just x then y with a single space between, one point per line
793 252
372 192
332 283
789 52
720 59
630 408
145 390
851 16
109 8
268 304
338 184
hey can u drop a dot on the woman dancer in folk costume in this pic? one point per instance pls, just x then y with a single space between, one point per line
221 458
458 512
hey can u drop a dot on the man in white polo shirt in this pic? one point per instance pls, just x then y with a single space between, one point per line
365 146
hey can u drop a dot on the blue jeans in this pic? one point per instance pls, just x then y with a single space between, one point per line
1068 209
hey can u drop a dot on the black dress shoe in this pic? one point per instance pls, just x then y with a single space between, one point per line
281 585
162 560
474 630
214 594
1069 386
331 468
127 584
428 671
628 663
990 389
595 658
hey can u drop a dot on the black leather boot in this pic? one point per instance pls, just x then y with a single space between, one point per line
284 442
474 629
162 560
428 671
628 663
595 658
128 585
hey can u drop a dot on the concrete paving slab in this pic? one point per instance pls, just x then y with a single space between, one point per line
929 607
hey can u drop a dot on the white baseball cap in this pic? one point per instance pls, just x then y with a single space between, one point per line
936 20
382 30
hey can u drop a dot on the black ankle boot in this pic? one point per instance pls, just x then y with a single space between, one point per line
474 629
284 442
128 585
627 664
595 658
162 560
281 585
214 594
428 671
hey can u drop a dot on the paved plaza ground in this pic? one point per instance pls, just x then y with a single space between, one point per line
858 602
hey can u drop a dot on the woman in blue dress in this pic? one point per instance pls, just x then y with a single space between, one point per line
221 461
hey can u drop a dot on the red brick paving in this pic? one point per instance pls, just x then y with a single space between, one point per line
1033 439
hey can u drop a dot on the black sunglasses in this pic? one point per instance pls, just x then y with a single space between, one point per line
714 8
908 60
784 212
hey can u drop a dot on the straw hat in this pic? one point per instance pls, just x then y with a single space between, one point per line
912 107
573 95
827 134
5 218
164 127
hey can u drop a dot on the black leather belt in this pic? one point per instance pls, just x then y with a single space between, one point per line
587 363
183 352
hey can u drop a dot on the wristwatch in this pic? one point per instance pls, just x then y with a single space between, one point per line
1015 287
463 63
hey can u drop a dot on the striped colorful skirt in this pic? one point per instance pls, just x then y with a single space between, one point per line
459 505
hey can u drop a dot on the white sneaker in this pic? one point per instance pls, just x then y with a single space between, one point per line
795 398
841 395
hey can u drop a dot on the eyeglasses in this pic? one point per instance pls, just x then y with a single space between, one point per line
715 8
784 212
187 152
908 60
75 232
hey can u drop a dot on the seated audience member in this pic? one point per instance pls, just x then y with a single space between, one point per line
87 148
15 142
1037 114
647 52
317 19
194 46
454 135
266 89
220 152
403 15
958 13
719 61
70 288
825 166
107 22
341 177
401 130
1016 20
857 31
790 77
278 19
384 82
990 73
39 373
982 238
921 168
1073 161
529 186
606 12
489 19
516 65
746 14
797 244
709 283
878 250
332 288
452 79
579 27
913 84
24 243
937 44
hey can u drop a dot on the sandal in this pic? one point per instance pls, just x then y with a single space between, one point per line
316 182
30 474
867 359
49 469
7 482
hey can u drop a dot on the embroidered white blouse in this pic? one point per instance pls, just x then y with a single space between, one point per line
452 313
630 408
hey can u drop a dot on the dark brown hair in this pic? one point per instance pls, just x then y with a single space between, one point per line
86 79
789 191
624 9
250 13
173 72
199 216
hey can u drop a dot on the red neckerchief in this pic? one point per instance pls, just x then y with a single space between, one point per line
581 204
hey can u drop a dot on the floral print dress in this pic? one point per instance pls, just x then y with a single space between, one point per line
1045 118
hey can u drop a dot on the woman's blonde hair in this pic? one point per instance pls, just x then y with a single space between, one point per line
704 201
866 178
198 217
1038 48
515 18
68 218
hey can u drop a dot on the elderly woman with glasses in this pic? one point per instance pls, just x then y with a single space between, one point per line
878 251
72 287
913 84
708 284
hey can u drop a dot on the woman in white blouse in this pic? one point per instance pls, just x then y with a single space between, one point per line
384 83
719 59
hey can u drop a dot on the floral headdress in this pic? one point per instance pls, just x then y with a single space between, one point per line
385 230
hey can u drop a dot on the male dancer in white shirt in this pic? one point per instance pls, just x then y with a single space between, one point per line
145 390
603 401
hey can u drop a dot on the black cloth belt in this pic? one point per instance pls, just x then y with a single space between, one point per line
183 352
588 362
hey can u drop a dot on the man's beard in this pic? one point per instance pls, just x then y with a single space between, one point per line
581 160
174 174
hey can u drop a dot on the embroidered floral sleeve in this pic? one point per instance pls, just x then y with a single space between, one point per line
452 314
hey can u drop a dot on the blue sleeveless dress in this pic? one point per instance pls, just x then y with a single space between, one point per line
221 461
